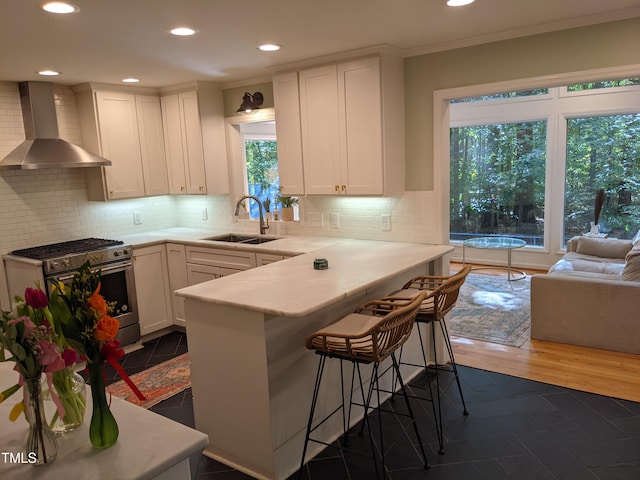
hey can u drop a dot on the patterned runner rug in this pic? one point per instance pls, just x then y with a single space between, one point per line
492 309
156 383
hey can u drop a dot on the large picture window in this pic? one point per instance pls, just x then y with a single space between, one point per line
497 181
603 153
530 166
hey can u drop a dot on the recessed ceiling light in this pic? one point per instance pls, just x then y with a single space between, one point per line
48 73
182 31
459 3
269 47
130 80
60 7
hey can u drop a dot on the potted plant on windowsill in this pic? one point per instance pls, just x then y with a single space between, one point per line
287 207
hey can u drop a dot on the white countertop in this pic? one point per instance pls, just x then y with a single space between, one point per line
148 444
292 287
290 244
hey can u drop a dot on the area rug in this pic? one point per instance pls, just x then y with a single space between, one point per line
156 383
492 309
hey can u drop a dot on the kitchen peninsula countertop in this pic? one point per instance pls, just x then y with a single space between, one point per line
285 244
293 288
246 335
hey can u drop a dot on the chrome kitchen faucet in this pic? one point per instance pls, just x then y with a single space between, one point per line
263 226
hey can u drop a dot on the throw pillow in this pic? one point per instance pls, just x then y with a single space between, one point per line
631 271
604 247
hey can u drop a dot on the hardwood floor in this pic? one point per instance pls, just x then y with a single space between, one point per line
586 369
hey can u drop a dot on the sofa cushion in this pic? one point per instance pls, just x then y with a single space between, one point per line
576 262
631 271
604 247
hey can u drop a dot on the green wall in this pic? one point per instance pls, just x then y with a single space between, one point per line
586 48
233 97
605 45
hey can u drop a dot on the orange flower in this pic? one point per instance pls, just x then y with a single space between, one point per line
98 303
106 328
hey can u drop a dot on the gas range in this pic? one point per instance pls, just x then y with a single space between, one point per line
67 256
59 262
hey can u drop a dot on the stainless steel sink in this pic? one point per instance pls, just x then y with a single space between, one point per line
247 239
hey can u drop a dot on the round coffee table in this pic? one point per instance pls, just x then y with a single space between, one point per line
496 243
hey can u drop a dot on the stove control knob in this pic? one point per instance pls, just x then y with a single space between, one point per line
117 253
67 263
126 251
55 265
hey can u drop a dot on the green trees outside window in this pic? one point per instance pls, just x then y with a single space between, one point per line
515 153
497 181
263 181
603 153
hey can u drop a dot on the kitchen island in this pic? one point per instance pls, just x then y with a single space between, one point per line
252 377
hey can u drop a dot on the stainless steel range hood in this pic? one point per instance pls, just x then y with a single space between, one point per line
43 148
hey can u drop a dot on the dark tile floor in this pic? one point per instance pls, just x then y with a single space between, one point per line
516 429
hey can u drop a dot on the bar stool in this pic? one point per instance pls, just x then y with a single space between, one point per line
368 336
442 295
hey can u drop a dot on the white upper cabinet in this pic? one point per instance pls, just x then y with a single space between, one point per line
287 115
351 127
320 130
194 141
154 167
360 121
127 130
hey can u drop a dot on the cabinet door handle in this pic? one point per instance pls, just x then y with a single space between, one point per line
182 189
337 188
344 188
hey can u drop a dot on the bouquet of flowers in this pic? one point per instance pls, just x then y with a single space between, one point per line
91 331
30 336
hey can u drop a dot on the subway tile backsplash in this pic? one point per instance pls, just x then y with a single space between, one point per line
45 206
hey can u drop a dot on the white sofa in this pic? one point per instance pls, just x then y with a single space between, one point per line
591 297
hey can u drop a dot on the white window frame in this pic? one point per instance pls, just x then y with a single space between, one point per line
568 104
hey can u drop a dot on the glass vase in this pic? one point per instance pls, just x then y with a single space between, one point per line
42 447
103 430
70 388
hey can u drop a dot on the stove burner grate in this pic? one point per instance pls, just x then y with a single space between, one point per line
54 250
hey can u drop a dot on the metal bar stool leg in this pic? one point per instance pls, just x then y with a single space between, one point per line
403 388
454 367
314 401
436 419
365 420
435 362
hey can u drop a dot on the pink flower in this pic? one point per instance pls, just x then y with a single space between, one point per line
69 356
50 357
29 326
36 298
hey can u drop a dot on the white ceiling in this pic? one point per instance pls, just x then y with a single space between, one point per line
112 39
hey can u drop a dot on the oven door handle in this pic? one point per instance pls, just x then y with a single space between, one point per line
111 269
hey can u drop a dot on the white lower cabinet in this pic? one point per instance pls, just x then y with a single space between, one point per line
178 278
160 270
152 288
267 258
204 263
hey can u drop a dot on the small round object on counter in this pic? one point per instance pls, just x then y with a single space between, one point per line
320 264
